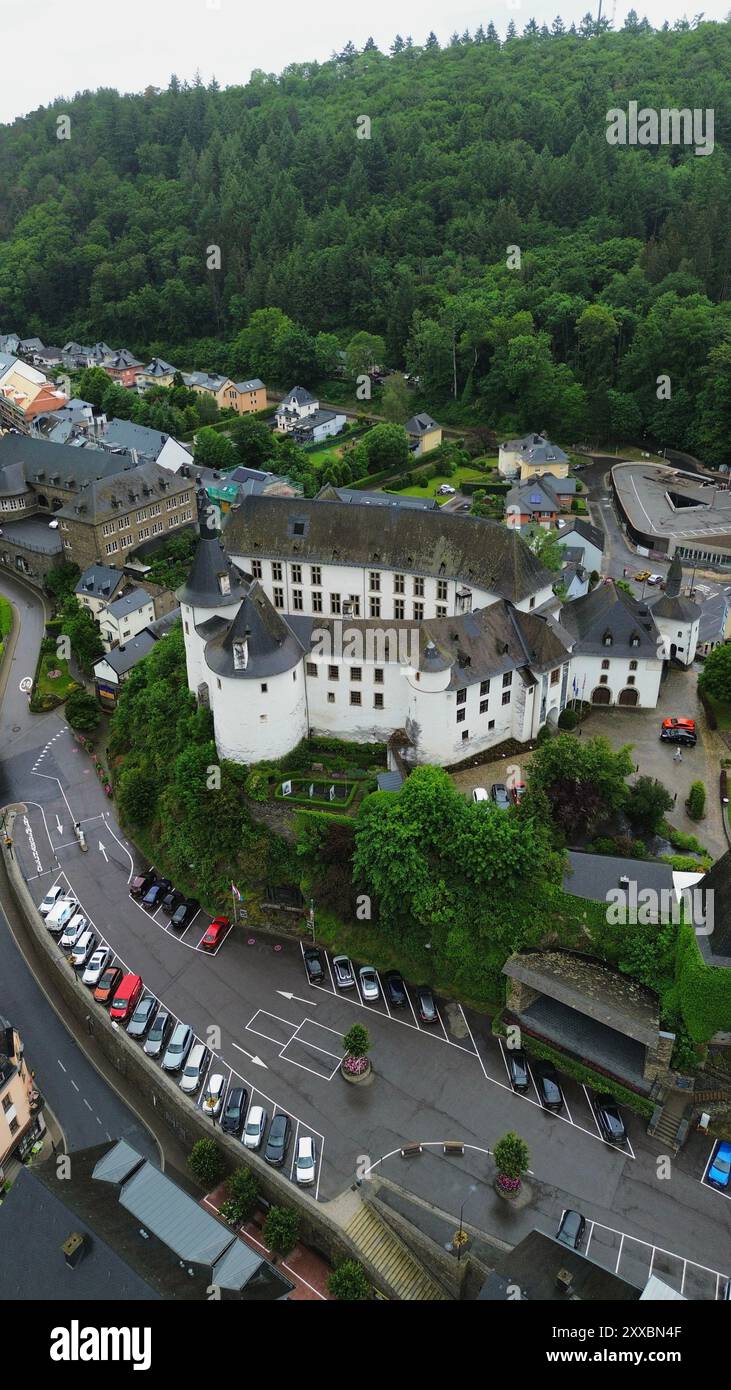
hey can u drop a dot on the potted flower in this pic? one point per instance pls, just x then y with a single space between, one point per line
511 1161
355 1065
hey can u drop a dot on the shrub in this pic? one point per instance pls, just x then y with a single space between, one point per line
349 1282
696 803
281 1230
511 1157
647 803
206 1163
243 1193
544 735
568 719
256 785
356 1041
603 844
82 711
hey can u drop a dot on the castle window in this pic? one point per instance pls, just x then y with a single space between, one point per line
264 687
333 673
418 612
506 697
311 668
484 687
491 724
279 598
378 675
634 640
296 574
631 680
331 697
398 584
441 610
297 603
605 664
465 735
461 715
256 569
356 673
378 700
483 706
419 587
355 697
277 571
507 679
375 607
317 603
294 675
532 603
607 639
374 580
398 608
603 680
315 574
632 665
461 697
442 590
556 676
335 603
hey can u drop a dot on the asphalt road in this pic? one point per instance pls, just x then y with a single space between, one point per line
270 1031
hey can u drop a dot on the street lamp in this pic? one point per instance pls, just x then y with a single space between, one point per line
312 919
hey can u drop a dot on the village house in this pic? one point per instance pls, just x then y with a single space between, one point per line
245 397
424 434
532 454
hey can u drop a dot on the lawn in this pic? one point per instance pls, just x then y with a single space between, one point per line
59 685
6 621
722 712
431 485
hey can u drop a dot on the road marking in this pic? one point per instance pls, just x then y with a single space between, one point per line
619 1253
73 1083
286 995
60 1063
256 1060
86 1103
103 851
59 826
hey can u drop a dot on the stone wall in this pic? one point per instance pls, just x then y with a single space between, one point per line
519 996
38 563
657 1059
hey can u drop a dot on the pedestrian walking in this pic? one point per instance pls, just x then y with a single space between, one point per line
677 756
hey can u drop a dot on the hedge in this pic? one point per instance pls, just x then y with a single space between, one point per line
703 992
302 800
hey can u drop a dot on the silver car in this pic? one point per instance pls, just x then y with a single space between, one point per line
194 1068
96 967
83 948
178 1047
343 972
72 932
368 983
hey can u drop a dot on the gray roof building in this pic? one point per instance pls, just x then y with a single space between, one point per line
594 876
299 395
99 581
533 1266
609 618
421 424
115 492
257 643
125 434
472 549
580 527
214 581
123 658
254 385
130 602
159 367
329 493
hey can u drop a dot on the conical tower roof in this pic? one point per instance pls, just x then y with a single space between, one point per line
214 581
271 646
674 580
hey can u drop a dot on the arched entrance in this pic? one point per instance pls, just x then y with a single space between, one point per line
628 697
42 500
56 504
552 717
601 696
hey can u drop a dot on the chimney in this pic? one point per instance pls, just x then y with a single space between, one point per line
564 1281
74 1249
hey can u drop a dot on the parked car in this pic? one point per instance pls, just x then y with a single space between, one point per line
720 1169
480 794
108 983
96 966
178 1048
61 914
499 794
142 1016
395 989
51 898
157 1038
313 965
655 579
427 1009
184 914
232 1119
609 1120
72 931
679 731
343 971
83 947
549 1086
125 998
194 1068
305 1166
256 1123
571 1229
518 1069
151 899
141 882
446 490
172 900
280 1133
213 1095
369 987
642 576
215 933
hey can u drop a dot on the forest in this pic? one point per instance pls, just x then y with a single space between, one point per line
531 274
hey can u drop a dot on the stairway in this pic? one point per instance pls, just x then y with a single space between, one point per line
390 1257
666 1129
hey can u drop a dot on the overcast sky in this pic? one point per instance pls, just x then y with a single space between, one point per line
59 47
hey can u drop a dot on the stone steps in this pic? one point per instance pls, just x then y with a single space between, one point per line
397 1266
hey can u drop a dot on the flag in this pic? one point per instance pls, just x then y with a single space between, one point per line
236 892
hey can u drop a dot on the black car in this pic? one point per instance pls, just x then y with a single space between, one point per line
682 736
425 1004
157 1039
609 1119
549 1086
142 1016
518 1069
571 1229
172 900
234 1114
155 892
499 794
278 1142
395 989
141 882
314 966
184 913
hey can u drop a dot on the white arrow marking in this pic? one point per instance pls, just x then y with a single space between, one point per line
256 1060
59 826
104 852
298 997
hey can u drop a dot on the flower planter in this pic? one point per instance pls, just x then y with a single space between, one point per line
356 1078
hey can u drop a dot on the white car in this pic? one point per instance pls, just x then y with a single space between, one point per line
211 1103
73 930
51 898
480 794
655 579
368 982
60 915
256 1123
305 1168
96 967
193 1069
83 948
446 491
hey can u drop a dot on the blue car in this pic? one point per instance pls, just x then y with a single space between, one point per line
720 1169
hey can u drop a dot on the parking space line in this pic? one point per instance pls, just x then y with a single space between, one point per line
294 1151
619 1253
383 994
313 1046
591 1232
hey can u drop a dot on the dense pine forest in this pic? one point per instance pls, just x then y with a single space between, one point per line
622 271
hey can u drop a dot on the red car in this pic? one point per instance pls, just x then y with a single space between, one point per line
218 928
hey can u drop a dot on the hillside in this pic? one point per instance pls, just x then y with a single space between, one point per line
625 264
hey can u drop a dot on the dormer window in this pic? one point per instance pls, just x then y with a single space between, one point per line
241 654
224 583
634 640
607 639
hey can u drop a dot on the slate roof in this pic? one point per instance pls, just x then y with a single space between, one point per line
159 367
97 498
684 609
533 495
127 435
254 385
536 449
271 644
318 417
33 533
123 658
472 549
592 988
129 603
202 588
717 946
298 395
421 424
208 381
594 875
13 480
121 360
328 493
70 465
583 528
99 581
608 610
533 1265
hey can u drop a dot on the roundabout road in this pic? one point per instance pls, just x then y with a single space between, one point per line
269 1030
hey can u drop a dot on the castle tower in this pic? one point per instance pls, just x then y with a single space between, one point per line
213 590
